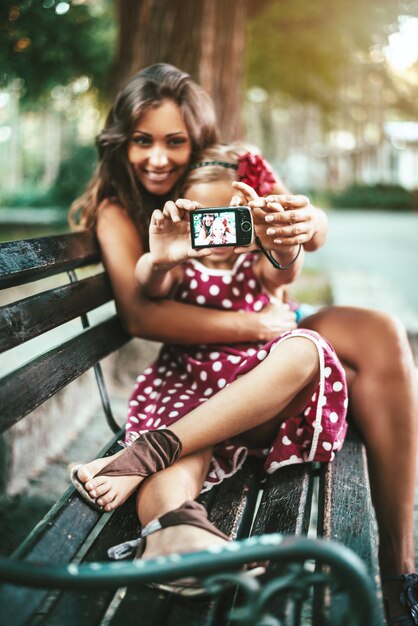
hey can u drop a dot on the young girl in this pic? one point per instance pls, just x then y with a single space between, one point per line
284 401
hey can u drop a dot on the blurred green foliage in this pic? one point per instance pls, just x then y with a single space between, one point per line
74 173
304 49
43 48
379 197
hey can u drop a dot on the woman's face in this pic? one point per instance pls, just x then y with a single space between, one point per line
160 148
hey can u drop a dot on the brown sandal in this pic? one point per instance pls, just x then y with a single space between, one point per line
150 453
190 513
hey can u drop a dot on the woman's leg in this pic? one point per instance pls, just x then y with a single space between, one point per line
166 491
284 378
383 402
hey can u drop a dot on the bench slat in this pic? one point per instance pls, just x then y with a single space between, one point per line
25 389
346 512
31 259
27 318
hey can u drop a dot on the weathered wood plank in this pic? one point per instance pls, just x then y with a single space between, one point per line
23 390
346 512
31 259
32 316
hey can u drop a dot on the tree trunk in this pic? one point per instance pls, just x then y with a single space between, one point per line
205 38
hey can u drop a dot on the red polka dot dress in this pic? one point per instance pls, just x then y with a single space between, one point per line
185 376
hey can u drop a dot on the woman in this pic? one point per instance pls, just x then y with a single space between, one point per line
154 131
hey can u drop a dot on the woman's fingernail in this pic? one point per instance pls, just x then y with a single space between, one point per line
271 231
277 241
269 218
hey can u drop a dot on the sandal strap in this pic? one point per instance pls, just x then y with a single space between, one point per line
408 598
152 452
190 513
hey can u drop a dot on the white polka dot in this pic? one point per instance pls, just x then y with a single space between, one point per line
148 389
251 351
204 277
252 283
307 411
208 391
221 383
157 382
133 403
235 291
217 366
166 399
194 386
193 284
161 369
240 276
327 372
140 398
200 299
214 290
140 378
184 295
150 422
261 354
157 422
203 375
178 405
286 441
227 279
345 403
169 373
214 356
227 304
243 363
150 408
327 445
233 359
134 419
189 272
249 298
161 410
333 417
337 386
171 391
258 306
184 397
173 414
153 395
178 385
148 370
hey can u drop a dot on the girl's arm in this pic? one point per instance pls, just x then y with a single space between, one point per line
167 320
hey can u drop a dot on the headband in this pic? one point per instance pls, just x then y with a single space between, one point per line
232 166
251 169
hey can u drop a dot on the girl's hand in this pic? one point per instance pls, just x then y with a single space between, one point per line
275 319
290 220
169 235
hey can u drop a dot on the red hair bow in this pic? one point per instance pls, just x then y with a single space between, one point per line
256 172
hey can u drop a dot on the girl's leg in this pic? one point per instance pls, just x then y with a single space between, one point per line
383 402
252 400
166 491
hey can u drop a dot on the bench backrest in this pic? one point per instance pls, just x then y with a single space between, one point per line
22 262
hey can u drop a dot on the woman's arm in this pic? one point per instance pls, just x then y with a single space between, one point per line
167 320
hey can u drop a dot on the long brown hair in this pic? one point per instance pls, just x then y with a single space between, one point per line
114 176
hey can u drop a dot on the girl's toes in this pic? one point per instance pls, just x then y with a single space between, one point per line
100 490
106 499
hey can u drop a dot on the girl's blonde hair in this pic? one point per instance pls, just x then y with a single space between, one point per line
216 163
114 177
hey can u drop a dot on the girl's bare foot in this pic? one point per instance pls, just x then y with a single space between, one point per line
108 491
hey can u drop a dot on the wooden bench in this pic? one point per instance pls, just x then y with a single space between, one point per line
61 575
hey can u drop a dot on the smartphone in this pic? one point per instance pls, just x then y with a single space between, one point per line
221 226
